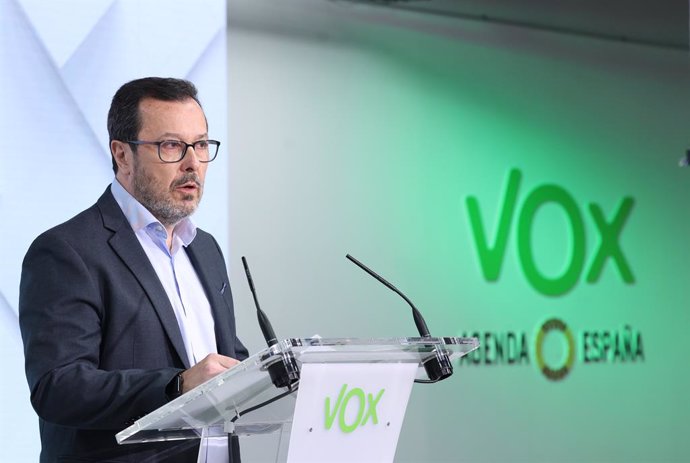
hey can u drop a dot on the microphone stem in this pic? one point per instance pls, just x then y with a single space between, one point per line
416 314
264 323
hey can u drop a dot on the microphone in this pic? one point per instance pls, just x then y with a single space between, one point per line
283 371
437 367
264 324
418 319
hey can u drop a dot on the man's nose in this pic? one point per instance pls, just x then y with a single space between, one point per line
190 161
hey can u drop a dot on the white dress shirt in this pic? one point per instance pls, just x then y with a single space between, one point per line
184 290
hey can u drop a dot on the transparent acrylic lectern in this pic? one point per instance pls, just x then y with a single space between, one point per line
258 396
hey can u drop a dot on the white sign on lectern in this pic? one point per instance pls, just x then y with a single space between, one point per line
350 412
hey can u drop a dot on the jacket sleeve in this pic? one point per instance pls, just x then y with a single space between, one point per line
61 316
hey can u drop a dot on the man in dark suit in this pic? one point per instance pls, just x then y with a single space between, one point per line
127 305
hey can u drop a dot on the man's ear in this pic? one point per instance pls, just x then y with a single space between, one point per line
121 153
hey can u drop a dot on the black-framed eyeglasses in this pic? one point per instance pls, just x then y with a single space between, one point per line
174 150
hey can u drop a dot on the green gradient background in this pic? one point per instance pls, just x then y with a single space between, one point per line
370 142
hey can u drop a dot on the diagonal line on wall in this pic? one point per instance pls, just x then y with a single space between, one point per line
56 70
8 318
64 24
202 55
129 62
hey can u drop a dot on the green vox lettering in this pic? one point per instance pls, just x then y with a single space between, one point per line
491 256
365 409
330 414
609 246
565 282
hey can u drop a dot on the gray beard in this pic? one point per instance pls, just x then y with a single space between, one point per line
163 208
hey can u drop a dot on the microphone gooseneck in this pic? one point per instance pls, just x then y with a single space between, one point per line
281 364
418 319
437 366
266 328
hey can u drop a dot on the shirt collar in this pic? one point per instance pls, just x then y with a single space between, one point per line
141 218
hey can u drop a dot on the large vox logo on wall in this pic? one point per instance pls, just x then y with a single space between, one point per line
491 256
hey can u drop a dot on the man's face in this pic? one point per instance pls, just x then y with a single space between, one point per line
170 191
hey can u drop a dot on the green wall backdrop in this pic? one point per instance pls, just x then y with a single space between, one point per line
365 132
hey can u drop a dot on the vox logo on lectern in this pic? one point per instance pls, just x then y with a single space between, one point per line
354 406
492 255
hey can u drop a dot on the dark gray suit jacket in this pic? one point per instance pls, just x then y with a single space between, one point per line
101 339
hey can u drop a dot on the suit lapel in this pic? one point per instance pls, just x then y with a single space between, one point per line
126 245
214 280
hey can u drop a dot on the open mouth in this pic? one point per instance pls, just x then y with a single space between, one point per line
188 187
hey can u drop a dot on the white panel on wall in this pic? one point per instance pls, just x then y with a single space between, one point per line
61 63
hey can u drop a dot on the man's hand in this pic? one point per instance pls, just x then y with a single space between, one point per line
212 365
